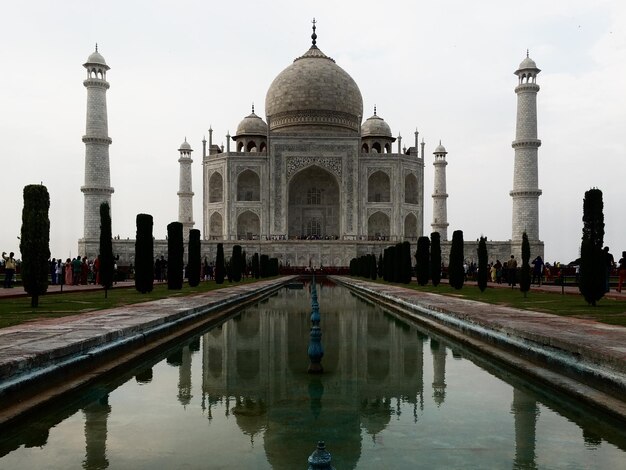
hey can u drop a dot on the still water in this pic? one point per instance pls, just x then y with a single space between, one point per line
238 396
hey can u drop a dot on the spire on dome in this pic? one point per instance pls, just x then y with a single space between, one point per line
527 52
252 107
314 36
96 47
374 110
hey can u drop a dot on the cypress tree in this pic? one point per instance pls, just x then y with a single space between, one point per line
455 267
406 267
35 241
220 269
524 282
483 268
435 258
380 265
235 263
255 265
264 265
175 253
107 263
243 263
373 270
144 254
195 258
592 263
422 256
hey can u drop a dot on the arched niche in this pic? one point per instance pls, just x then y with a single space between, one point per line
378 187
378 226
216 188
248 226
410 227
410 189
248 186
216 226
314 204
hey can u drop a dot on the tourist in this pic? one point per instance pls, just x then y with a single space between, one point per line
498 267
53 271
76 270
9 269
610 263
537 270
96 270
621 271
84 272
69 274
59 271
511 267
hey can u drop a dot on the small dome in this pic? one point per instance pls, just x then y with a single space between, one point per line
527 63
96 58
251 125
440 149
375 127
185 146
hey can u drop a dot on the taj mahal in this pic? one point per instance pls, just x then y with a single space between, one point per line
314 183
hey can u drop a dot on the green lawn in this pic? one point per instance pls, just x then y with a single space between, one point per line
609 311
18 310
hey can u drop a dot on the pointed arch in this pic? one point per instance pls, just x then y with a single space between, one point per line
248 186
314 204
378 226
410 227
216 188
379 187
216 225
248 226
410 189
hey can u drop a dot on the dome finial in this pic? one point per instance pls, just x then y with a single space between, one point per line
96 47
527 52
253 107
314 36
374 110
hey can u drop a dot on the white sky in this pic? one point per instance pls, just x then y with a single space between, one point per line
445 67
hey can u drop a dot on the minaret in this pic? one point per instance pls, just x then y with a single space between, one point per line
525 191
97 188
185 194
440 196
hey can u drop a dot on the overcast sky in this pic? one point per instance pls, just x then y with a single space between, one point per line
444 67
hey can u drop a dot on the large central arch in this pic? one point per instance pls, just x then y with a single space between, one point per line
314 204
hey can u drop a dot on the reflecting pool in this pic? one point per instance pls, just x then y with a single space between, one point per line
238 396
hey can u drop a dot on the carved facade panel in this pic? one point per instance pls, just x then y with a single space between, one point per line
295 164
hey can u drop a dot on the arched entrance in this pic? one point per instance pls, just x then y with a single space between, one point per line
378 187
410 227
378 226
215 226
248 186
314 210
216 188
248 226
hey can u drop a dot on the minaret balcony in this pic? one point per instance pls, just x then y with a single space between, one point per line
520 143
527 88
91 139
525 193
96 82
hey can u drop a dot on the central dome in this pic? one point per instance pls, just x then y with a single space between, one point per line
314 95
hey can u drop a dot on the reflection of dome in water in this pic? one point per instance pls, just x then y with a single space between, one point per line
250 415
314 94
375 415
